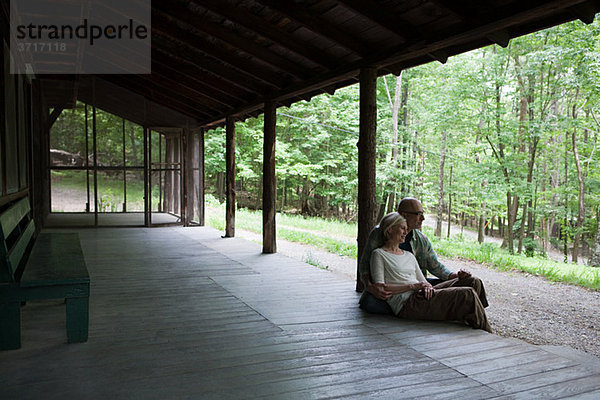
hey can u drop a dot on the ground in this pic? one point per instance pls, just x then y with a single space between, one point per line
521 305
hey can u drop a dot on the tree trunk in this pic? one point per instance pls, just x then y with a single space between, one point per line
480 228
522 229
581 203
391 203
134 158
594 260
512 205
440 207
220 185
449 205
395 109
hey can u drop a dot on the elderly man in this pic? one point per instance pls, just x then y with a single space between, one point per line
373 297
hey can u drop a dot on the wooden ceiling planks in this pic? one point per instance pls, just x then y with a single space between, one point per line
219 58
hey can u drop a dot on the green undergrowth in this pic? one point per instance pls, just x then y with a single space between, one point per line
326 235
492 255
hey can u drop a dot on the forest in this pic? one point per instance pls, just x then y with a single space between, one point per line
500 139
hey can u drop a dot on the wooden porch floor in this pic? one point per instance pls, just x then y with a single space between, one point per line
179 313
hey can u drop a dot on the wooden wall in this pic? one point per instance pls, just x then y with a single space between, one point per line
16 125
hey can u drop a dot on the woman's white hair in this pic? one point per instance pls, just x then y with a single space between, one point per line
389 221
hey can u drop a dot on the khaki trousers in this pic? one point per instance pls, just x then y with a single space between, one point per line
453 300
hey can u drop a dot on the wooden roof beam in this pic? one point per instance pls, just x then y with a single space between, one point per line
246 66
168 84
500 37
201 61
278 63
314 23
197 86
439 55
483 29
315 84
457 7
164 99
191 71
264 28
382 17
586 12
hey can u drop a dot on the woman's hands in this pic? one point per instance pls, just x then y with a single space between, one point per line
425 288
383 291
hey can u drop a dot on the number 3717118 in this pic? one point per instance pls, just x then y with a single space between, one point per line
42 47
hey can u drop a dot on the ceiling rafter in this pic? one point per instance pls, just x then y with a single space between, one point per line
382 17
584 12
225 99
299 14
243 80
457 7
166 96
181 67
314 84
163 82
242 66
265 29
278 63
164 99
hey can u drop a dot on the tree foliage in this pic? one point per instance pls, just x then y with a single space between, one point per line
503 117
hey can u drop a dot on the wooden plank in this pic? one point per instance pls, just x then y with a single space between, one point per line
10 218
572 387
347 385
18 251
517 368
55 259
539 378
490 354
461 388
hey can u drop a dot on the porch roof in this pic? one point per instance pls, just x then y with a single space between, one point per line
217 58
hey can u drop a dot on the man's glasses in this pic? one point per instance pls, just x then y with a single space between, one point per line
419 213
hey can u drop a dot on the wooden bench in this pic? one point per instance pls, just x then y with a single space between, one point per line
49 267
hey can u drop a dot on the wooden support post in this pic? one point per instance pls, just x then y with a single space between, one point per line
269 180
184 173
201 209
367 206
147 181
230 177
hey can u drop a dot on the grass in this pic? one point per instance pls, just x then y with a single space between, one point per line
309 258
329 235
252 221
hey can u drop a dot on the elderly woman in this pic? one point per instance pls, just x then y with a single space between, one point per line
396 270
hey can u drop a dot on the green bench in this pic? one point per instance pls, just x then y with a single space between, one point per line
49 267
